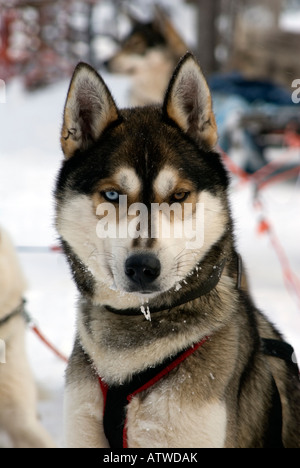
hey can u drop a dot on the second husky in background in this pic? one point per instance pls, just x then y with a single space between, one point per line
18 393
149 55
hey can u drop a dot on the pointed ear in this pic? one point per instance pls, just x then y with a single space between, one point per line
188 103
131 16
164 25
89 110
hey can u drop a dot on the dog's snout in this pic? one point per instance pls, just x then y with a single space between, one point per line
142 269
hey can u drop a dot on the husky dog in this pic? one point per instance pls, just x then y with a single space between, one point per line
18 413
170 351
149 55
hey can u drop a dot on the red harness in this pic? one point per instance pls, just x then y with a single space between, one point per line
117 398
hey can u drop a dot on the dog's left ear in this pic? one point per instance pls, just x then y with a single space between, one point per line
89 110
188 103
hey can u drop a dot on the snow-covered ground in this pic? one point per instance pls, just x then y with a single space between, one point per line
29 160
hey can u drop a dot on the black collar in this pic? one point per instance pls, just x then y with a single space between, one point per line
189 296
20 310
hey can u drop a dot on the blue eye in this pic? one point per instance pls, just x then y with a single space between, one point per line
111 196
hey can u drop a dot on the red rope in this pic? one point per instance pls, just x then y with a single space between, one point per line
259 177
261 174
48 344
233 167
291 280
288 174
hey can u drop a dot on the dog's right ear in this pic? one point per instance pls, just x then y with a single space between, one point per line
89 110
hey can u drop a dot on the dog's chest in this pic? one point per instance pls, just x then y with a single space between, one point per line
161 408
169 419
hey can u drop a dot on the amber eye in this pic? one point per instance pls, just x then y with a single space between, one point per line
180 196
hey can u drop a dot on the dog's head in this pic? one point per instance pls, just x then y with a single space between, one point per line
148 45
141 197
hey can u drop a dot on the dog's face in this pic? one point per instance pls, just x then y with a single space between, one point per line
141 197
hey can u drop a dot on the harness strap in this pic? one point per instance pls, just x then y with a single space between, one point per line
273 436
20 310
116 398
278 349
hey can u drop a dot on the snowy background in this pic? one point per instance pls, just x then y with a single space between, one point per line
30 157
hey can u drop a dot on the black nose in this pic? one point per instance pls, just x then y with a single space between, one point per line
142 269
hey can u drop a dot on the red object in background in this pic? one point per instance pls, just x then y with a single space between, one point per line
6 64
35 44
263 226
292 139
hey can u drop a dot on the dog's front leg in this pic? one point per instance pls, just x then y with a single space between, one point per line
83 411
83 405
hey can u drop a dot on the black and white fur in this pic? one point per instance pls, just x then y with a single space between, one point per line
222 396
